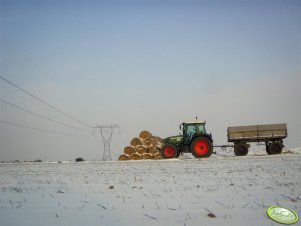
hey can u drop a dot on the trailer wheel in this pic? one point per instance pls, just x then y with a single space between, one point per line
169 151
201 147
267 148
275 148
241 149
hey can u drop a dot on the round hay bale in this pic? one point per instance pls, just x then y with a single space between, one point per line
158 156
157 139
123 157
157 153
136 141
141 149
129 150
154 151
147 142
147 156
145 134
151 149
159 146
135 156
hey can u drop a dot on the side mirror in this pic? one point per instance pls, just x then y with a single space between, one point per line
180 127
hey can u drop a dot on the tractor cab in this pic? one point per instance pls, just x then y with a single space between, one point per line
191 130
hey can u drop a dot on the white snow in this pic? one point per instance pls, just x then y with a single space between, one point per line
237 190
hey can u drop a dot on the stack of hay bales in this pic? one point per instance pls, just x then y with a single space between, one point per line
146 146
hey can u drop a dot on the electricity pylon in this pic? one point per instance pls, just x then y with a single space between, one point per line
106 132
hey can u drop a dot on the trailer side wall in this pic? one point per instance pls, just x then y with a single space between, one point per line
257 132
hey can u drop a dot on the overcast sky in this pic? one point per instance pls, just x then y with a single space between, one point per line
145 65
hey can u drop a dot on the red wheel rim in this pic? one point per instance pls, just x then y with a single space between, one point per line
201 147
169 151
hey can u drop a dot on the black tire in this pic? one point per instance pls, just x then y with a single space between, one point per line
169 151
241 149
201 147
275 148
267 146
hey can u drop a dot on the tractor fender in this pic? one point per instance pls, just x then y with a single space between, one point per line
209 136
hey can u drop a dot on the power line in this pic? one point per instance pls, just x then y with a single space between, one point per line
43 117
44 102
30 59
39 129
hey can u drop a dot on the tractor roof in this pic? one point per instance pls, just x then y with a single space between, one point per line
193 122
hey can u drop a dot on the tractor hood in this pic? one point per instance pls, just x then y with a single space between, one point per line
174 139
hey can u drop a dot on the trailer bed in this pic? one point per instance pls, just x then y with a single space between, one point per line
257 133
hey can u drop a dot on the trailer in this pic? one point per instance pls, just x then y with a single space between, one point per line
270 135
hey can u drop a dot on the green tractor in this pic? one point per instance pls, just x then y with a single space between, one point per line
194 140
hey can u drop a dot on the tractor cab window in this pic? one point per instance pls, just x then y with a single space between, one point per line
189 131
201 128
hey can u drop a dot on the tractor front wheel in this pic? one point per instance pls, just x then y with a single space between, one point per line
169 151
201 147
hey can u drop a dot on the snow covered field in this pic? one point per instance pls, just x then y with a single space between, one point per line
214 191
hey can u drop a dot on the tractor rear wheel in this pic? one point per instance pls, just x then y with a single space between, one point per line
201 147
275 148
241 149
169 151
